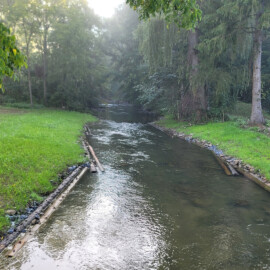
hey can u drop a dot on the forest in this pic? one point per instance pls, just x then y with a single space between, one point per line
195 68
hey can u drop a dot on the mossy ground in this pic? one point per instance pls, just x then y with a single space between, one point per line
36 145
233 137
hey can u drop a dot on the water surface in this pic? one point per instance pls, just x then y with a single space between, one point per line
161 204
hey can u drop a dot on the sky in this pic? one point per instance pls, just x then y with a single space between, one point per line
105 8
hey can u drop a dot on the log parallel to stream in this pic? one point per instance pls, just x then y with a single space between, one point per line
229 167
42 207
9 239
50 210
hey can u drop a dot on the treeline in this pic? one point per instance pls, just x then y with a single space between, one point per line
61 40
76 60
196 74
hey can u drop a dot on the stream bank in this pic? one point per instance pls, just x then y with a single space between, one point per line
246 149
226 161
36 147
162 203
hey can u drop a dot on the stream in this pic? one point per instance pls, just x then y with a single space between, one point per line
162 203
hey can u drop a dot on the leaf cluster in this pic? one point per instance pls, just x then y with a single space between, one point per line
10 56
185 13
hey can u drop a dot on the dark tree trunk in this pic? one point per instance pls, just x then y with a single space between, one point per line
256 114
45 66
29 76
193 101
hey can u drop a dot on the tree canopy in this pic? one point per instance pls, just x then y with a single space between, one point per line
185 13
10 56
77 60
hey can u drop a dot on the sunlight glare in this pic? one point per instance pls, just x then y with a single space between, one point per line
105 8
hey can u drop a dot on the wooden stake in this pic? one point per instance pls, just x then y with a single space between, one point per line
95 157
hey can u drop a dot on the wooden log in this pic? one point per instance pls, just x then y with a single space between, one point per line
86 150
95 157
228 169
222 164
87 130
20 243
42 207
233 171
255 178
93 168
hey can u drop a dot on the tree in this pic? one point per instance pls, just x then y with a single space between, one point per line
76 65
260 23
254 20
10 56
24 15
184 13
121 47
48 10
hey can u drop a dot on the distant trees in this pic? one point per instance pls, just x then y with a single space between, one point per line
192 58
61 40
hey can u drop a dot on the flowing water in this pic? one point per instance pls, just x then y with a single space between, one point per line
161 204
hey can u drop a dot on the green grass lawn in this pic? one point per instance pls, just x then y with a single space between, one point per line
246 144
36 145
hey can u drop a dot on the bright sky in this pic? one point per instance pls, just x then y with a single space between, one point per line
104 8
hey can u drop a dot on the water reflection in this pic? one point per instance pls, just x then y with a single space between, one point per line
161 204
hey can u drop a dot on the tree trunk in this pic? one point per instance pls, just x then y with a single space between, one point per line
256 114
193 101
45 66
29 77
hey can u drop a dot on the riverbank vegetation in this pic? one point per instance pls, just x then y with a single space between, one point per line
36 145
194 60
234 137
61 40
197 75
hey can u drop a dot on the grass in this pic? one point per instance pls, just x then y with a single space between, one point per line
247 144
36 145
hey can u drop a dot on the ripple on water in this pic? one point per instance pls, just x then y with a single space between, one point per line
161 204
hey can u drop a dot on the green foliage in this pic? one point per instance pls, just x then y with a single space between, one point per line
10 56
159 91
4 222
35 146
185 13
22 105
63 42
76 65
